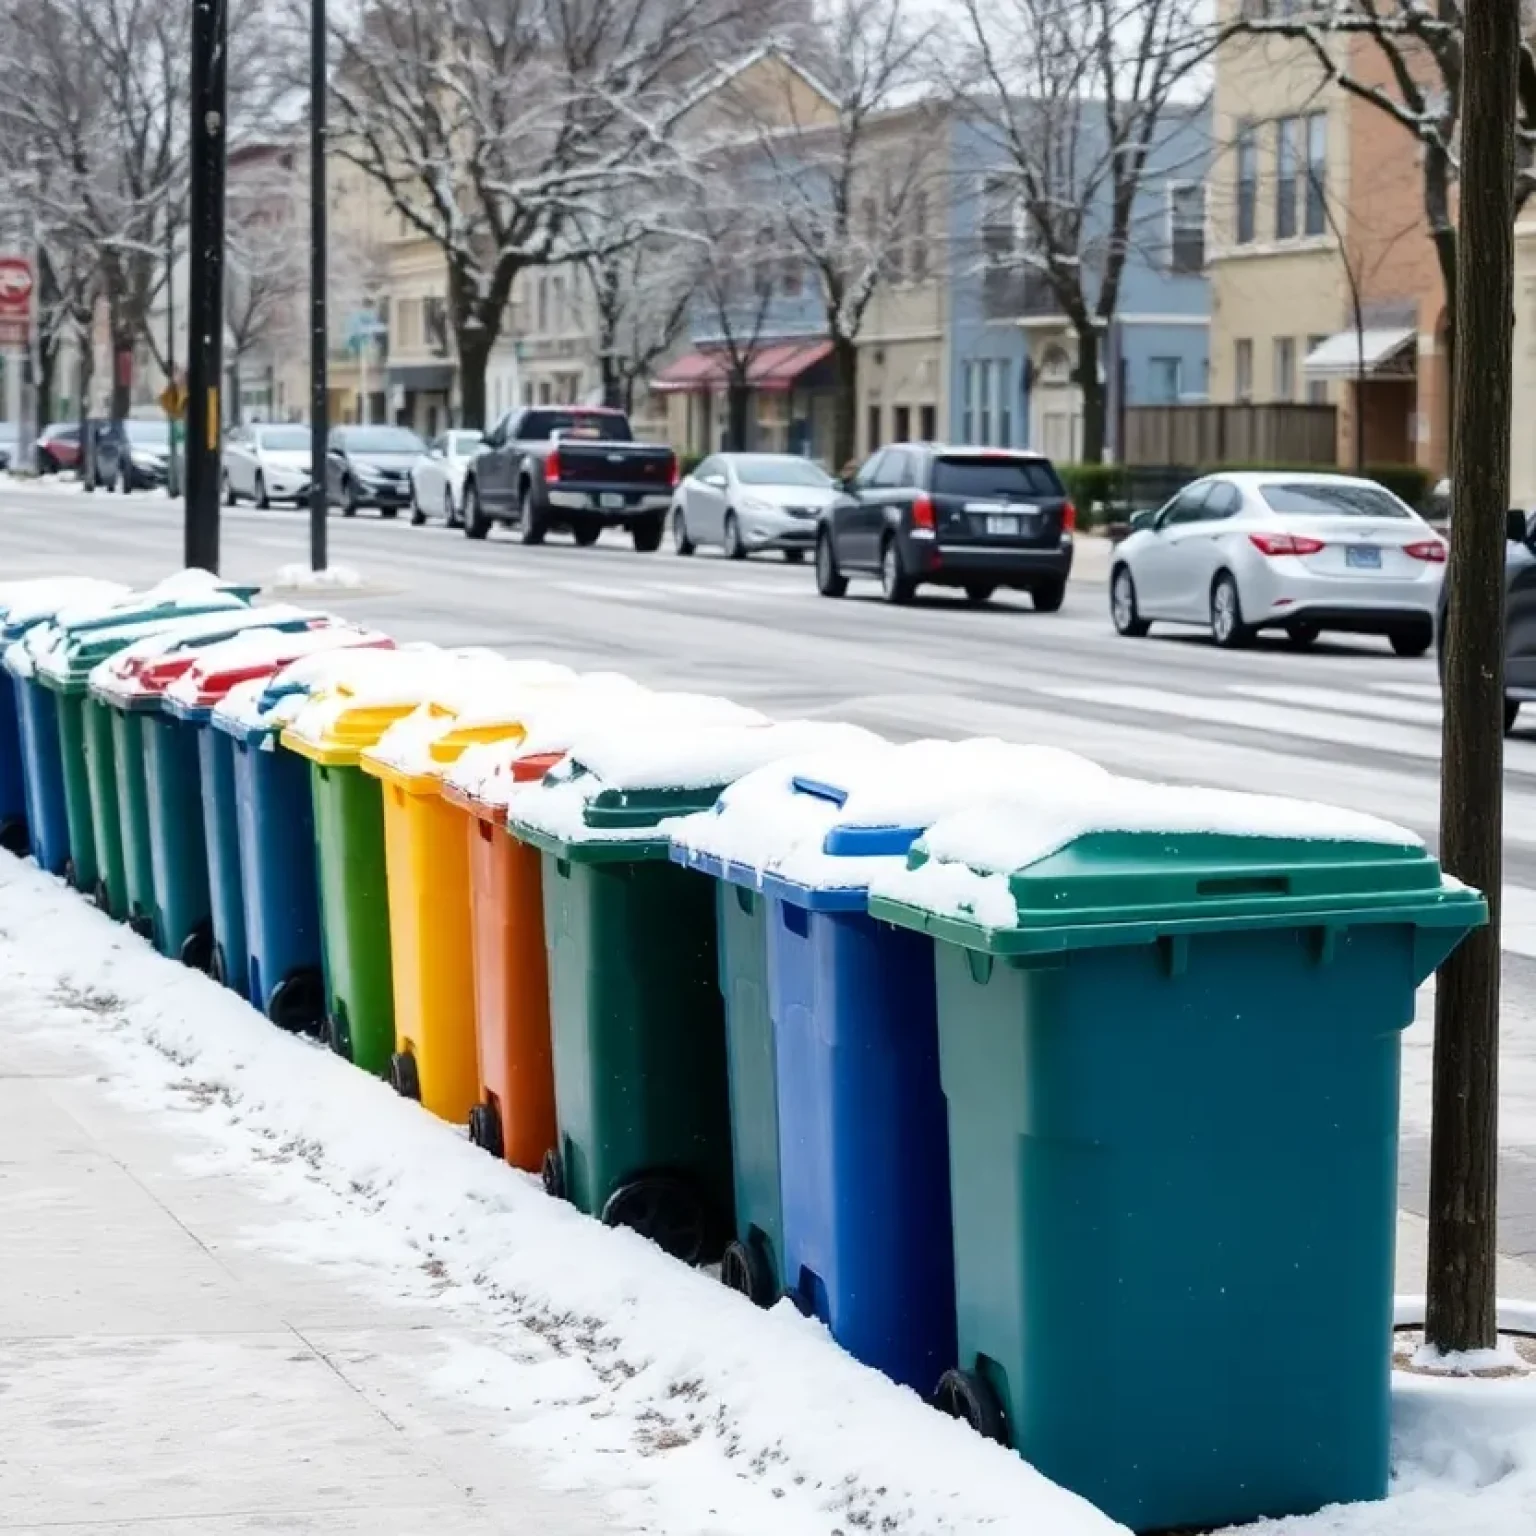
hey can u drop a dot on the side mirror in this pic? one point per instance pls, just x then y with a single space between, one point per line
718 482
1141 521
1517 526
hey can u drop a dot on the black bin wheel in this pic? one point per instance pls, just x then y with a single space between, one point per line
403 1076
744 1267
485 1129
964 1395
143 926
218 968
297 1004
664 1208
69 874
102 897
552 1175
14 837
197 949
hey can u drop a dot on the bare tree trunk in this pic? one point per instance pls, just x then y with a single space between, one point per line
613 383
1463 1194
845 403
1092 389
87 468
474 359
737 399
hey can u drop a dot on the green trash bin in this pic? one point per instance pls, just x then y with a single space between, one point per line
1171 1059
637 1017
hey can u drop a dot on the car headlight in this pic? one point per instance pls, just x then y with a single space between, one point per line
142 460
759 508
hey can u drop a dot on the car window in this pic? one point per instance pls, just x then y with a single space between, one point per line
1332 498
1224 500
285 439
866 477
1187 506
605 426
780 469
383 440
707 468
895 470
465 443
990 475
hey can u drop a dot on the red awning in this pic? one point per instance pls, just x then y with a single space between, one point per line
774 368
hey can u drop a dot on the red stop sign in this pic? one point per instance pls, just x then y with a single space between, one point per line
15 285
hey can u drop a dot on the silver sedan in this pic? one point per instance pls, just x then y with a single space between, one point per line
745 502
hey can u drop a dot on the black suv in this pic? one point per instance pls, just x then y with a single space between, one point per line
973 518
1519 616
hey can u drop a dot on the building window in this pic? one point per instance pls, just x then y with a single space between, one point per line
901 430
1285 368
1167 382
557 302
918 256
543 311
984 392
928 415
1003 375
793 279
968 403
1317 389
1317 173
1242 370
999 221
1247 183
1186 227
1286 158
874 428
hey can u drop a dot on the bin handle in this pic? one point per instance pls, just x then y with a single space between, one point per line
819 790
1244 885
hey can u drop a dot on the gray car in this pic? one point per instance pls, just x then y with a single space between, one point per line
745 502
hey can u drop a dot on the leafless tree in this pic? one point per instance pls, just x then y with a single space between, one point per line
492 123
1077 100
852 151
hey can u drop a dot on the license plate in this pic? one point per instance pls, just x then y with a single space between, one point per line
1363 557
1002 523
611 502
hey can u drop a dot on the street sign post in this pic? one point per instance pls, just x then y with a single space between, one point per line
17 287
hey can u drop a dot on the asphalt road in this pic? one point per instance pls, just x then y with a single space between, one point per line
1347 723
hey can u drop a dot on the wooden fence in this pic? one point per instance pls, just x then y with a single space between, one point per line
1211 435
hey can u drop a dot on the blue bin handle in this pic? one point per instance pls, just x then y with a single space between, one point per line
819 790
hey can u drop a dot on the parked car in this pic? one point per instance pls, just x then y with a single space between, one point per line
10 445
58 447
1298 553
264 464
131 455
574 467
1519 616
745 502
371 467
437 477
974 518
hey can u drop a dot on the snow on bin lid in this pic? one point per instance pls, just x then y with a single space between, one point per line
336 726
823 825
618 792
255 655
1121 861
625 708
192 591
25 603
266 705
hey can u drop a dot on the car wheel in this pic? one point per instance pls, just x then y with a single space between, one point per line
418 517
229 492
1412 642
122 486
735 549
263 501
830 581
348 499
476 524
389 514
979 592
896 587
450 512
647 534
1511 714
1302 637
1227 627
1123 612
530 525
681 541
794 557
1048 596
587 532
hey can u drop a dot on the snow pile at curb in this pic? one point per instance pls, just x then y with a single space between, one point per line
616 1368
335 578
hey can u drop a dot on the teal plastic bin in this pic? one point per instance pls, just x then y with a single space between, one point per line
1172 1081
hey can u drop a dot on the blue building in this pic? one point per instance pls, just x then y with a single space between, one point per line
1013 353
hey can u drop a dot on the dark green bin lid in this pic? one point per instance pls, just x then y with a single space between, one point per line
618 810
1108 889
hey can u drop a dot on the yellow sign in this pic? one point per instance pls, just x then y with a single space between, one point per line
173 400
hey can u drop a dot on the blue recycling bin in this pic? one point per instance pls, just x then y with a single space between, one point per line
280 891
13 779
47 815
862 1132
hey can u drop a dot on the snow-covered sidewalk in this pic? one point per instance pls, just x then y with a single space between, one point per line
249 1289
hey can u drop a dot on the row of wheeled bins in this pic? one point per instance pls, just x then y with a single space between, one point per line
1065 1099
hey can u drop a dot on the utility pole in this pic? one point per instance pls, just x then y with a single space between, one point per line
173 462
1464 1149
205 295
319 331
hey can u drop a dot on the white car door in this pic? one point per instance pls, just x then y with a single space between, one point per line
706 503
428 475
1156 570
1195 552
238 467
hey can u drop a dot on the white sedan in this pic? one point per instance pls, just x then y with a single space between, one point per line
1298 553
267 464
437 477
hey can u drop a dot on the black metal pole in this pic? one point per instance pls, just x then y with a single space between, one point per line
173 460
319 339
205 296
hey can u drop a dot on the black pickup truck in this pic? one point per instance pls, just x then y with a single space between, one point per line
573 467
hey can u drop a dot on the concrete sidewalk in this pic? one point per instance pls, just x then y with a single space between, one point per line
159 1374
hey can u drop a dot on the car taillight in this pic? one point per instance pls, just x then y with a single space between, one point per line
1068 518
672 472
552 466
922 512
1285 544
1431 550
